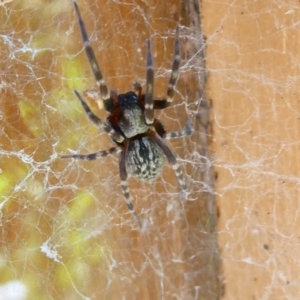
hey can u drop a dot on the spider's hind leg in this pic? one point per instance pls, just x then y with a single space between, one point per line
124 186
171 159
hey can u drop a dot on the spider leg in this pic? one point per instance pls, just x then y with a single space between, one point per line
175 68
164 103
159 128
161 104
138 89
116 137
124 186
171 159
93 156
95 96
186 131
91 57
149 112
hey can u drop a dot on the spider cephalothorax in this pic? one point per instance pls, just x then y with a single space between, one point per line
139 137
127 116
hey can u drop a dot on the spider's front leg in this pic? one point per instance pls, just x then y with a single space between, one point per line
91 57
175 69
149 112
115 136
151 104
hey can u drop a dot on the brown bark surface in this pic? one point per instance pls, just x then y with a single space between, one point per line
253 65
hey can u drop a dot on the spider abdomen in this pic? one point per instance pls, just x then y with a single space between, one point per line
144 159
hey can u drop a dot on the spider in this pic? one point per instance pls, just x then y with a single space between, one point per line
138 136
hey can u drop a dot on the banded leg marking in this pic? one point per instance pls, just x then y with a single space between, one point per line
94 156
179 174
175 68
91 56
187 131
128 200
149 112
124 184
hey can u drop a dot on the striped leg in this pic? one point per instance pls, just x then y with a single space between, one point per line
124 186
164 103
171 159
187 131
175 68
94 156
98 122
91 57
149 112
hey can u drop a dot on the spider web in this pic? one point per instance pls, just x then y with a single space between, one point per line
65 229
